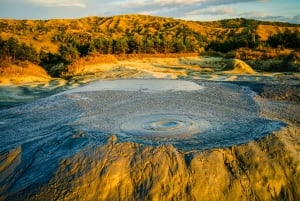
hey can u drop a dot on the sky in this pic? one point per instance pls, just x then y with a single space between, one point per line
200 10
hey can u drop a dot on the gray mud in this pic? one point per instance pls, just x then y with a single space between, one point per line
211 115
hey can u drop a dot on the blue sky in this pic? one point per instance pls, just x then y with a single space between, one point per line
203 10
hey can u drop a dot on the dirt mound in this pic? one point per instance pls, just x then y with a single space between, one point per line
164 173
264 169
238 66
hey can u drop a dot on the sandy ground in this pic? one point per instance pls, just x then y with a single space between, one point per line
167 68
265 168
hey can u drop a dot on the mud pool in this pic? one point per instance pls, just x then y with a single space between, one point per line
190 115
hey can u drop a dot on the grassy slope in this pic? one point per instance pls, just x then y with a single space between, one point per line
41 32
23 73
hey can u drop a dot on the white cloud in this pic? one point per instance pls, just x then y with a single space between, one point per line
213 11
177 2
296 19
180 8
253 14
184 9
58 3
265 17
145 13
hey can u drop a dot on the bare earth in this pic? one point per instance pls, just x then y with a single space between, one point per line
97 152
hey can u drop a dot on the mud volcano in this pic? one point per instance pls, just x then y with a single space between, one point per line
190 115
187 114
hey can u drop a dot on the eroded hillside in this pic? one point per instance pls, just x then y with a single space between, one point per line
49 34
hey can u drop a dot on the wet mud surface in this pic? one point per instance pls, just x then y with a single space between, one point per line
37 137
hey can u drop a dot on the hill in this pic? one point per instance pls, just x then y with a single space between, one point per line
58 43
49 34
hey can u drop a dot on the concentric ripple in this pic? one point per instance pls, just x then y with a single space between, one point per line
186 114
163 125
211 115
160 126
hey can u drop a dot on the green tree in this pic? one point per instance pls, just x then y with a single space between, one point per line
132 45
178 45
25 52
120 46
148 45
12 46
68 53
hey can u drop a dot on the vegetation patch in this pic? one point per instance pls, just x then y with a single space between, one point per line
64 47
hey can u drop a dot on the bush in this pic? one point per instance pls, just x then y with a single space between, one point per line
287 39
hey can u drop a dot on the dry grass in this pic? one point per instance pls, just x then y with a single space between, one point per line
237 66
22 73
259 53
79 66
145 56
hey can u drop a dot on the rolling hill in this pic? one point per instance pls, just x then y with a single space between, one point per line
64 42
49 34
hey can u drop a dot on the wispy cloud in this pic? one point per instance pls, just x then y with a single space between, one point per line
252 14
182 3
181 8
58 3
213 11
185 9
265 17
296 19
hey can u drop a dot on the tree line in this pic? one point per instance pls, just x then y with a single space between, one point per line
73 47
70 49
231 44
182 41
129 45
12 50
286 39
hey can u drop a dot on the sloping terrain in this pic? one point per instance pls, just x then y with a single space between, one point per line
198 139
49 34
28 73
237 66
98 151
